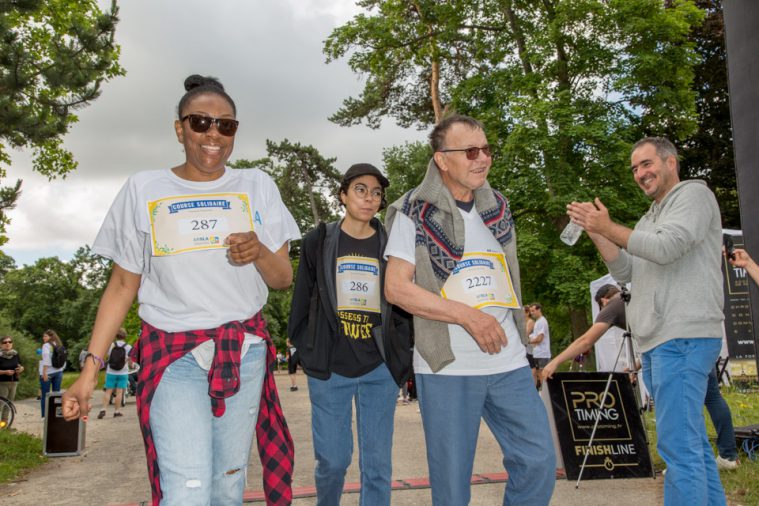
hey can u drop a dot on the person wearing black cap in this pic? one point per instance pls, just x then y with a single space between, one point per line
352 345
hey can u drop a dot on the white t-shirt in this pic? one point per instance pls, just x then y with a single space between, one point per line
47 357
124 370
543 348
199 289
470 360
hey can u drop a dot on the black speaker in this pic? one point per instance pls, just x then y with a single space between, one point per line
60 438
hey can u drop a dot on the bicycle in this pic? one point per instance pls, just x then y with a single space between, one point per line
7 413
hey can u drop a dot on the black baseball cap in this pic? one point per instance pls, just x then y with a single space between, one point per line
365 169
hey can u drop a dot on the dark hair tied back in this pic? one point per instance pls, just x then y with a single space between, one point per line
197 85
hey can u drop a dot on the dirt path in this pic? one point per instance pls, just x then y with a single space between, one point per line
112 471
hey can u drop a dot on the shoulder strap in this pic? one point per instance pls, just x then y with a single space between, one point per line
314 303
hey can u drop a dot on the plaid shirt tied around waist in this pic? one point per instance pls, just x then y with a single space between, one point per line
157 349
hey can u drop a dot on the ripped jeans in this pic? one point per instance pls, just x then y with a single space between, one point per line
203 459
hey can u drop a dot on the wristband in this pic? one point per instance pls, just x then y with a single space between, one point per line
97 360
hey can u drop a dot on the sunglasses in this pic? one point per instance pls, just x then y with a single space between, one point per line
471 153
201 124
7 342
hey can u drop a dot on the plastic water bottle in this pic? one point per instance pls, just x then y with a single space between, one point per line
571 233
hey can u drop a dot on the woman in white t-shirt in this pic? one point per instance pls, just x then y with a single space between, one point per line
199 245
50 376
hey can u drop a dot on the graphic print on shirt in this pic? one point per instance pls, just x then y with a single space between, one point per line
185 223
357 277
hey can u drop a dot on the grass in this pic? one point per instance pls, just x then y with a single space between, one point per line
741 484
70 377
19 452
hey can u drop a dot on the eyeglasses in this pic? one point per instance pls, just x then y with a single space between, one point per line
200 124
362 191
7 342
471 153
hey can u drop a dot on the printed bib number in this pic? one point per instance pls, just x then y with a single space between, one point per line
358 285
481 279
197 222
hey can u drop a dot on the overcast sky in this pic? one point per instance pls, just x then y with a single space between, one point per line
268 55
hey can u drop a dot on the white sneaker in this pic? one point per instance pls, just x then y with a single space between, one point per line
725 464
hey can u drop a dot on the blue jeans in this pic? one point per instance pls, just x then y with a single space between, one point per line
203 459
53 380
452 407
676 373
721 417
331 414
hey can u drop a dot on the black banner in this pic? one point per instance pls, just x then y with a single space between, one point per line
738 325
619 448
742 42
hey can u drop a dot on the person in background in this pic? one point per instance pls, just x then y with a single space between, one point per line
612 313
10 368
116 378
292 366
529 327
540 338
201 263
50 376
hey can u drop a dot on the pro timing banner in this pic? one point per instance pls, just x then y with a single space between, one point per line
619 448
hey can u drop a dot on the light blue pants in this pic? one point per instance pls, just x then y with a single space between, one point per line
676 373
452 407
331 415
203 459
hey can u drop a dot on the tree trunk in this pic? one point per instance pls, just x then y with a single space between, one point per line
311 199
437 106
578 322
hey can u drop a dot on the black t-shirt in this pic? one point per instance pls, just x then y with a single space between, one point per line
613 313
9 364
355 352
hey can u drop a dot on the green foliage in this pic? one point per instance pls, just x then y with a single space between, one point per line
708 153
33 296
563 87
54 56
277 313
405 167
404 50
19 452
63 296
306 180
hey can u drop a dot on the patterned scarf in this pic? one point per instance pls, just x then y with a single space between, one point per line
431 232
156 350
